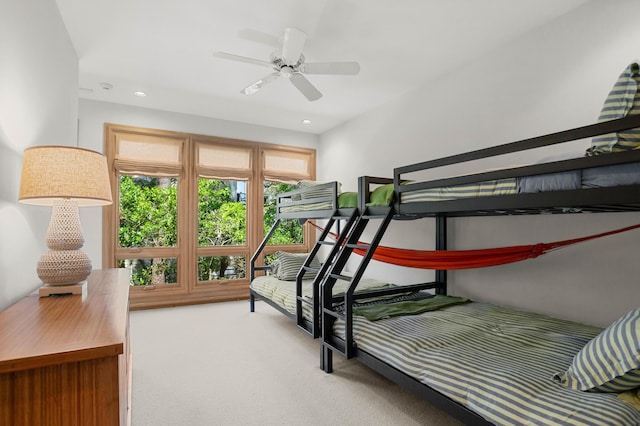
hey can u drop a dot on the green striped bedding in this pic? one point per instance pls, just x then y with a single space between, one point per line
306 207
496 361
283 293
380 196
506 186
345 200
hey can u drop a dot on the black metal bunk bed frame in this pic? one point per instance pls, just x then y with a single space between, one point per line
334 216
612 199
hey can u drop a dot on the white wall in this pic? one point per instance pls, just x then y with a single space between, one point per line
94 114
552 79
38 106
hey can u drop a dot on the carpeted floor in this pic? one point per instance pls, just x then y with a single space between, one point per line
219 364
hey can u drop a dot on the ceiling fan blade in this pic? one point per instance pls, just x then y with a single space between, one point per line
342 68
259 37
292 45
305 87
250 90
239 58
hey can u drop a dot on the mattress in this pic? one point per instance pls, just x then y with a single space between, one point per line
345 200
283 293
596 177
472 190
497 361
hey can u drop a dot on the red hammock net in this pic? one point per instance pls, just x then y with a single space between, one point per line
466 259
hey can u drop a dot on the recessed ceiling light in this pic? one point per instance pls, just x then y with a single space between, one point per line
306 121
140 93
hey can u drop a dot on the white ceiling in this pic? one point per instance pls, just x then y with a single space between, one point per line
165 48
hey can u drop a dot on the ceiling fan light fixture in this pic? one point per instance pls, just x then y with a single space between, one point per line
286 71
250 90
253 88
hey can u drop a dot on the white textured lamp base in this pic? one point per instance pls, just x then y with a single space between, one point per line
64 268
48 290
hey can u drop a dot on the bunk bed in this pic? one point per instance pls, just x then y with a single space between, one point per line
291 283
488 364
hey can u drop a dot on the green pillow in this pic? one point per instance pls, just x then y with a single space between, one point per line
611 361
348 200
290 263
382 195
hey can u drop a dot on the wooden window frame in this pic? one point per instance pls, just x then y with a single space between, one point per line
188 290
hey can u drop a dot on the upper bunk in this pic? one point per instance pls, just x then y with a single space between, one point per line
315 200
608 182
322 200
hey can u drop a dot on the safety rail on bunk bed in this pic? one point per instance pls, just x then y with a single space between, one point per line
296 205
610 199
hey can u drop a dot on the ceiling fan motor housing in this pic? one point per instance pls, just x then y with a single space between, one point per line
279 63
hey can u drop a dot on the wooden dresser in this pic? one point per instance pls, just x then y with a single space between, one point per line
65 360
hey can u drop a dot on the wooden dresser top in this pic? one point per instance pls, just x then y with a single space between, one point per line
37 332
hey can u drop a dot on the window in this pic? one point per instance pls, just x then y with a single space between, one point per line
190 210
147 218
290 231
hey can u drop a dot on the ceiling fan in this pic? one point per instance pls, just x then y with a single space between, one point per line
290 63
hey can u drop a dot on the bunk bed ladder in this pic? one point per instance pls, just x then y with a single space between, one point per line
313 327
329 314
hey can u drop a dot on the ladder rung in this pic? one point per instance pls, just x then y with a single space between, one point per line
325 242
340 277
362 246
310 269
371 216
262 268
333 314
304 300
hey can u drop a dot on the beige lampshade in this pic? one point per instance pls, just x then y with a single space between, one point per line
50 173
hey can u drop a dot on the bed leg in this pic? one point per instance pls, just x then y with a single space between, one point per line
252 303
326 359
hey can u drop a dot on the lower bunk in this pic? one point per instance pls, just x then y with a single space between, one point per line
282 294
489 364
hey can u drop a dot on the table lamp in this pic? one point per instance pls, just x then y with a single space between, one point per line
64 177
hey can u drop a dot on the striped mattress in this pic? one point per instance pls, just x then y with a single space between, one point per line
506 186
593 177
345 200
283 293
498 362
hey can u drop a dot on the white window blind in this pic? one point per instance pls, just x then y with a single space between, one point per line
216 161
149 155
287 166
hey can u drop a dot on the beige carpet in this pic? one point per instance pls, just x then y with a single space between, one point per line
219 364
